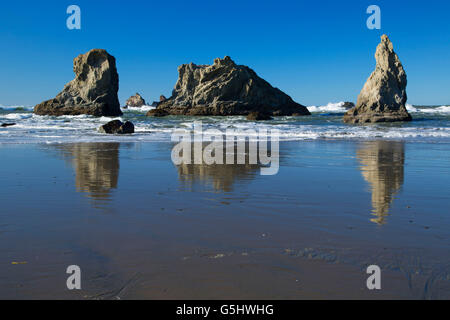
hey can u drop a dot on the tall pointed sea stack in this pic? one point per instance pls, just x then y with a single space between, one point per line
93 91
383 97
225 89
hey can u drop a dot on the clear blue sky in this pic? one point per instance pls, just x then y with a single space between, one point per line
316 51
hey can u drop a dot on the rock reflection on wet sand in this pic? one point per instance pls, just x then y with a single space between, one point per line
221 177
96 167
382 166
238 234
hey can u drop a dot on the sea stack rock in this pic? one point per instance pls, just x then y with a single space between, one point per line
136 101
93 91
383 97
224 89
117 127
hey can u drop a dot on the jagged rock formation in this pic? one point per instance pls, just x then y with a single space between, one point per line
383 97
162 98
226 88
135 101
93 91
117 127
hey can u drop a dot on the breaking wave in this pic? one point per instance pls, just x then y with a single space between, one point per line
325 123
430 110
143 109
330 108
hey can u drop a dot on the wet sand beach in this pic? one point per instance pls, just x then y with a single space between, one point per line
140 227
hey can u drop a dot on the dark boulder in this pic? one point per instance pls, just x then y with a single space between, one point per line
117 127
4 125
157 113
258 116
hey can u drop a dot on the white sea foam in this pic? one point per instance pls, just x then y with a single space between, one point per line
410 108
439 110
108 119
330 107
429 110
31 128
16 116
143 109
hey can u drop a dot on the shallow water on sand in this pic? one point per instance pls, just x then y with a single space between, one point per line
140 227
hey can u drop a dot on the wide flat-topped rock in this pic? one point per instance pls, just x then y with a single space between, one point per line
93 91
383 97
226 88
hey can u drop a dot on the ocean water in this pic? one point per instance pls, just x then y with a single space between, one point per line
431 124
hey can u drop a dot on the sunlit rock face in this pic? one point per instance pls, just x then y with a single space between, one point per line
135 101
225 88
93 91
382 166
383 98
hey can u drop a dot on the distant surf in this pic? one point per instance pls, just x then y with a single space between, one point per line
143 109
431 124
433 110
330 108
